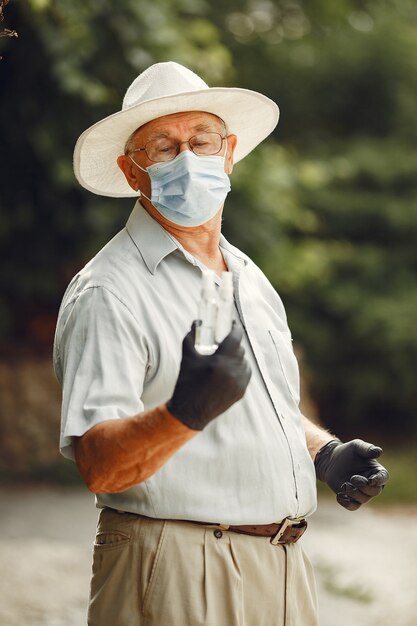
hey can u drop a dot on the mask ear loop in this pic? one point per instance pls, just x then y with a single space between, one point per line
143 170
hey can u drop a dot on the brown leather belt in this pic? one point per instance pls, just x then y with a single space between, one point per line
288 531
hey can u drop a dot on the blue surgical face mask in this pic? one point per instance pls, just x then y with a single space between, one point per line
190 189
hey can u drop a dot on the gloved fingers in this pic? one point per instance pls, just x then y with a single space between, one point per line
189 339
376 479
370 491
374 452
367 486
347 502
367 450
359 481
231 342
347 487
247 374
361 495
379 478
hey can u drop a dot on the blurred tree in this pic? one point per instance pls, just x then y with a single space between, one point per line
71 67
336 234
5 32
327 206
332 213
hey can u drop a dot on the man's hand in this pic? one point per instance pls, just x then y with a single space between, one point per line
350 469
207 385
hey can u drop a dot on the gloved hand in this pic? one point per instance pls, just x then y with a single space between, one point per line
350 469
207 385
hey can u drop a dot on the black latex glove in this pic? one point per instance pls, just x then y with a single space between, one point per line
207 385
350 469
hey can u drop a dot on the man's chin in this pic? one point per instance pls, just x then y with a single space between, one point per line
165 222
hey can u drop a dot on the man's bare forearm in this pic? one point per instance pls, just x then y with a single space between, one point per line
316 436
117 454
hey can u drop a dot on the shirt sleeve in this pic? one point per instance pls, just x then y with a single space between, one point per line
101 359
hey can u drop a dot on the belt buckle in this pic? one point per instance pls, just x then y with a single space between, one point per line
287 523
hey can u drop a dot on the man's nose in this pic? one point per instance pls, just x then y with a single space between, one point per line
183 145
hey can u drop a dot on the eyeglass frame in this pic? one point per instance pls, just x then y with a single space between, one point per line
178 144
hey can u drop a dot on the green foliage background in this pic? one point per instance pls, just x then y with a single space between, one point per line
327 206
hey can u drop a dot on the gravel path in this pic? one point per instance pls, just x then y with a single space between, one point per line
366 561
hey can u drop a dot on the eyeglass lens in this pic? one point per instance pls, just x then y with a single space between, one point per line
165 149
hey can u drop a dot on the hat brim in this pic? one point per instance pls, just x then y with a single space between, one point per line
249 115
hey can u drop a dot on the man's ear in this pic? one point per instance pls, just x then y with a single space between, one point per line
129 170
231 145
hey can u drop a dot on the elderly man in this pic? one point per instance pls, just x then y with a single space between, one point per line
202 465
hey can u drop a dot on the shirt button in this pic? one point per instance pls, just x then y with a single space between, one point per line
218 534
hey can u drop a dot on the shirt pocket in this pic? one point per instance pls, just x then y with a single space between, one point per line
283 346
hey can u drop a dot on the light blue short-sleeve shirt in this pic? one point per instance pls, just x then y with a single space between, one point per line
117 353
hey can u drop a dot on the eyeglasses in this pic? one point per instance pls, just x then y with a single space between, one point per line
164 149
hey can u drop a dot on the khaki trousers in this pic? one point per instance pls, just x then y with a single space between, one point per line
167 573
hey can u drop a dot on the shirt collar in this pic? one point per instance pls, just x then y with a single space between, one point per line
155 243
152 241
225 245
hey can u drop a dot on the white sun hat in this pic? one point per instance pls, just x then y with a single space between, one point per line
162 89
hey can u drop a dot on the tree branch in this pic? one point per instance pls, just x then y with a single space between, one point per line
6 32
